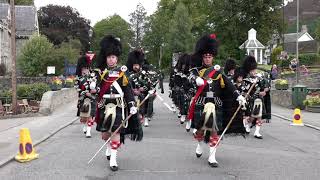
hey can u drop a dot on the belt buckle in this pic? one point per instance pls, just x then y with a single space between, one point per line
209 94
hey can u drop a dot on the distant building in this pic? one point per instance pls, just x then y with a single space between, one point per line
306 43
253 47
26 26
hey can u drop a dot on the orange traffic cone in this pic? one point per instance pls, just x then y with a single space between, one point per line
26 151
297 119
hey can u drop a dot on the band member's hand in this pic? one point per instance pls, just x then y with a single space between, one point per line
93 91
88 94
141 89
136 92
242 101
254 80
199 81
133 110
105 136
93 85
262 93
151 91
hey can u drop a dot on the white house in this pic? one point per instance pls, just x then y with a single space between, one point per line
306 43
253 47
302 36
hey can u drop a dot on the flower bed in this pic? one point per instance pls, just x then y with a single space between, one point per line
312 102
281 84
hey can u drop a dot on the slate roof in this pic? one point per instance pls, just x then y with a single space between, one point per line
4 10
252 44
292 37
25 20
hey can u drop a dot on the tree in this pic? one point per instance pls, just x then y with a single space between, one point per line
24 2
35 56
275 55
116 26
60 23
137 20
38 53
180 36
317 33
232 19
68 51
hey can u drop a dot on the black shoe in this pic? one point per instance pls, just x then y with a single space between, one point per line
213 165
108 157
198 155
114 168
181 122
258 137
188 130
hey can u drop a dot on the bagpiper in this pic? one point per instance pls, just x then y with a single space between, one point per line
206 107
229 68
183 88
86 86
254 108
229 104
115 99
139 81
154 77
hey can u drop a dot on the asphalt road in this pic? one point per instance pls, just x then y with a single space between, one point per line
168 152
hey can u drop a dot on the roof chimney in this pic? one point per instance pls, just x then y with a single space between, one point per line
304 28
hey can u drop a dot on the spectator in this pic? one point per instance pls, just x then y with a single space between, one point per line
293 64
274 72
304 70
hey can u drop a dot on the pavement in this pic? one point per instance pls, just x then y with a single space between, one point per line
41 128
311 120
168 152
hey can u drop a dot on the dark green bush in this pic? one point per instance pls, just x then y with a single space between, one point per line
29 91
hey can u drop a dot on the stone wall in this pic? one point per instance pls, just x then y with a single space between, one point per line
53 99
281 97
311 81
5 82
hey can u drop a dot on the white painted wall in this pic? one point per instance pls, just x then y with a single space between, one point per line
252 34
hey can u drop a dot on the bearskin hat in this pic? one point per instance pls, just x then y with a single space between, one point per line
196 61
237 73
229 65
207 45
249 64
83 62
135 57
184 59
109 45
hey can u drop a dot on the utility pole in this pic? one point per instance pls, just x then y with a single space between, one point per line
297 45
13 57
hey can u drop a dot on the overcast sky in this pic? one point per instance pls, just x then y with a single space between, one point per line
95 10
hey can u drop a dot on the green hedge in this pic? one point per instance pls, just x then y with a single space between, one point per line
304 59
33 91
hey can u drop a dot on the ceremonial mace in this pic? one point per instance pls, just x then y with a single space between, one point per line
121 125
